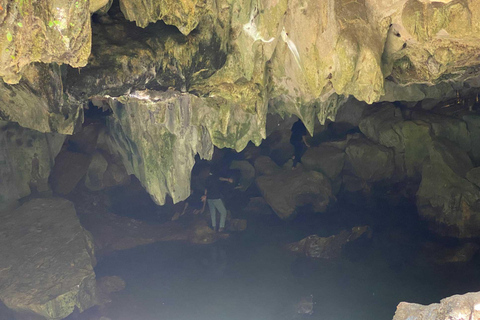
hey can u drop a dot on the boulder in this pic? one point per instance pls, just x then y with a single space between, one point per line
70 167
473 176
327 247
286 189
95 172
369 161
85 140
116 174
465 306
58 275
448 128
445 197
351 112
265 166
386 126
325 159
26 159
247 173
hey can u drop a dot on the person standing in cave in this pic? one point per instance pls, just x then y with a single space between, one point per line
213 195
298 140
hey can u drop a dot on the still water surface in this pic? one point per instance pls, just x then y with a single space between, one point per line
251 277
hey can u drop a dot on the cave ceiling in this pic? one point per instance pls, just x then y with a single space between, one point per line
186 75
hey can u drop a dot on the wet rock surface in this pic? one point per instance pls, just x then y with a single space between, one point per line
465 306
47 260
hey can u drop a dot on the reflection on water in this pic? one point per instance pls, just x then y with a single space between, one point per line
251 276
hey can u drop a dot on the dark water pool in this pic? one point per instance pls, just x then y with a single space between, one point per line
251 277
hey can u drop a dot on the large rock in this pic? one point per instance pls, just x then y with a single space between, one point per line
47 260
448 128
265 166
247 173
465 306
70 167
387 127
95 172
474 176
445 197
369 161
287 189
26 159
325 159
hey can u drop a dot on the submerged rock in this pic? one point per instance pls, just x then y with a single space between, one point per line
305 305
456 307
327 248
439 254
70 168
47 260
106 286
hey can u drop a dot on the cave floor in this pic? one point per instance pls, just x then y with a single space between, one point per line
251 277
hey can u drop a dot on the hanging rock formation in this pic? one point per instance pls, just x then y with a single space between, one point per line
234 62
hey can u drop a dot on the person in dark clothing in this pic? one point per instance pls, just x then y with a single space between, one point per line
298 140
213 195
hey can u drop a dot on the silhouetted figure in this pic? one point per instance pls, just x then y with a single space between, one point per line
298 140
213 195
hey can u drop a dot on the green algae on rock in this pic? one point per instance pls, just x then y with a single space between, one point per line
43 31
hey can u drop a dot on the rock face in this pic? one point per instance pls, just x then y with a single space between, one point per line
445 197
465 306
37 101
26 159
369 161
51 31
286 189
47 260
